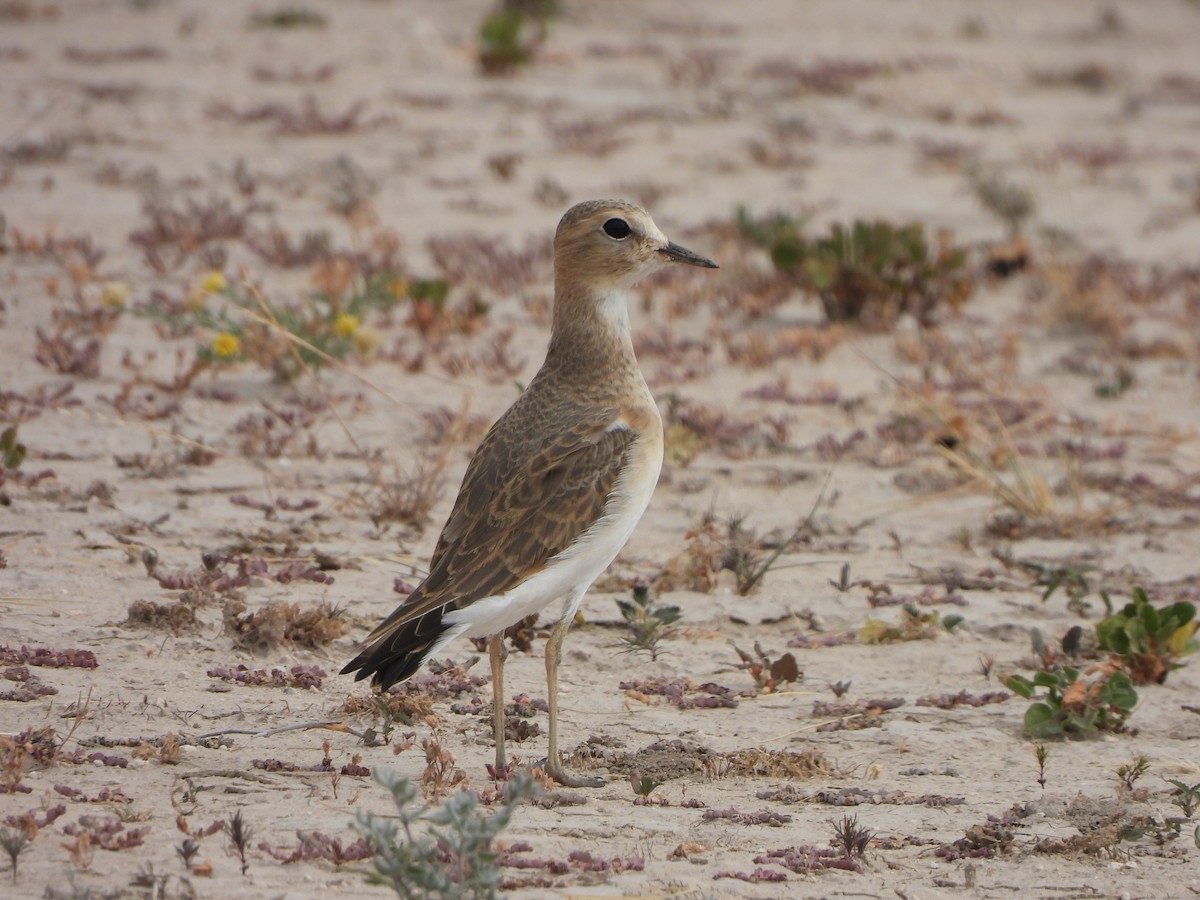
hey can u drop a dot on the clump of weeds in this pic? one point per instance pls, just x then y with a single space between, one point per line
307 120
1004 198
175 233
769 674
1071 577
511 34
288 17
1143 644
712 550
407 495
648 624
1007 473
1068 701
14 843
914 625
643 786
176 618
441 774
314 845
12 453
851 838
1185 796
239 324
1129 773
239 834
282 623
27 826
445 852
869 272
392 710
1147 642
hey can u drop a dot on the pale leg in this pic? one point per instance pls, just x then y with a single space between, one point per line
554 766
496 655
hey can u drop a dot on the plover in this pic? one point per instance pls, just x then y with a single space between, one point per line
560 481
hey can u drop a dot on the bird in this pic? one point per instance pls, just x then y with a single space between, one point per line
559 482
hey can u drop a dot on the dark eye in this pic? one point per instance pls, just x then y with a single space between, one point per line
617 229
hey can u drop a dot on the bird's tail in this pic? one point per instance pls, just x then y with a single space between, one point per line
396 651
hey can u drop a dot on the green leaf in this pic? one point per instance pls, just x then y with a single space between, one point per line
1181 639
1040 722
1121 692
1020 685
1048 679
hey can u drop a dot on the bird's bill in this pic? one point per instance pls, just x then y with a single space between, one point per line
684 255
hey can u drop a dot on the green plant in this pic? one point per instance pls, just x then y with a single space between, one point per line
782 236
868 272
12 451
1042 752
1185 796
14 843
1009 201
1121 381
1128 773
239 835
238 323
851 838
648 624
643 785
288 17
453 858
1099 699
1071 577
512 32
388 718
1146 642
914 625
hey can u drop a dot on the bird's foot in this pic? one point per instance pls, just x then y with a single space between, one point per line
500 771
556 771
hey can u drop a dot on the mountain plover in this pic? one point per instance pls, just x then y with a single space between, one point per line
559 482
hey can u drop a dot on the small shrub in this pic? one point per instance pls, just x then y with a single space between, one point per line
454 857
649 624
510 34
13 843
12 452
1146 642
282 623
236 323
1185 796
869 272
287 17
1098 699
1009 201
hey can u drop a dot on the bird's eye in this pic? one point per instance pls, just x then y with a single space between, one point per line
617 229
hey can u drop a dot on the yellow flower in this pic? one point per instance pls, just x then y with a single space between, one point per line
115 294
226 345
345 324
398 287
214 283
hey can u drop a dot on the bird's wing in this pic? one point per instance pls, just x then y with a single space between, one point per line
520 504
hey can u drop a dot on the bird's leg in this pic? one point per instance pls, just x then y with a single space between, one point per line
497 653
554 766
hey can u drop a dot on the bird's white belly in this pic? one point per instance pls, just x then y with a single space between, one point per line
573 570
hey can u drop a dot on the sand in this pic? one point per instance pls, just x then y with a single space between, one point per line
1073 381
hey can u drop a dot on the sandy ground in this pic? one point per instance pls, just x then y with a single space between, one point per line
1075 380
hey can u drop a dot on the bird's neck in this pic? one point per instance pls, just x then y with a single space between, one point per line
590 332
